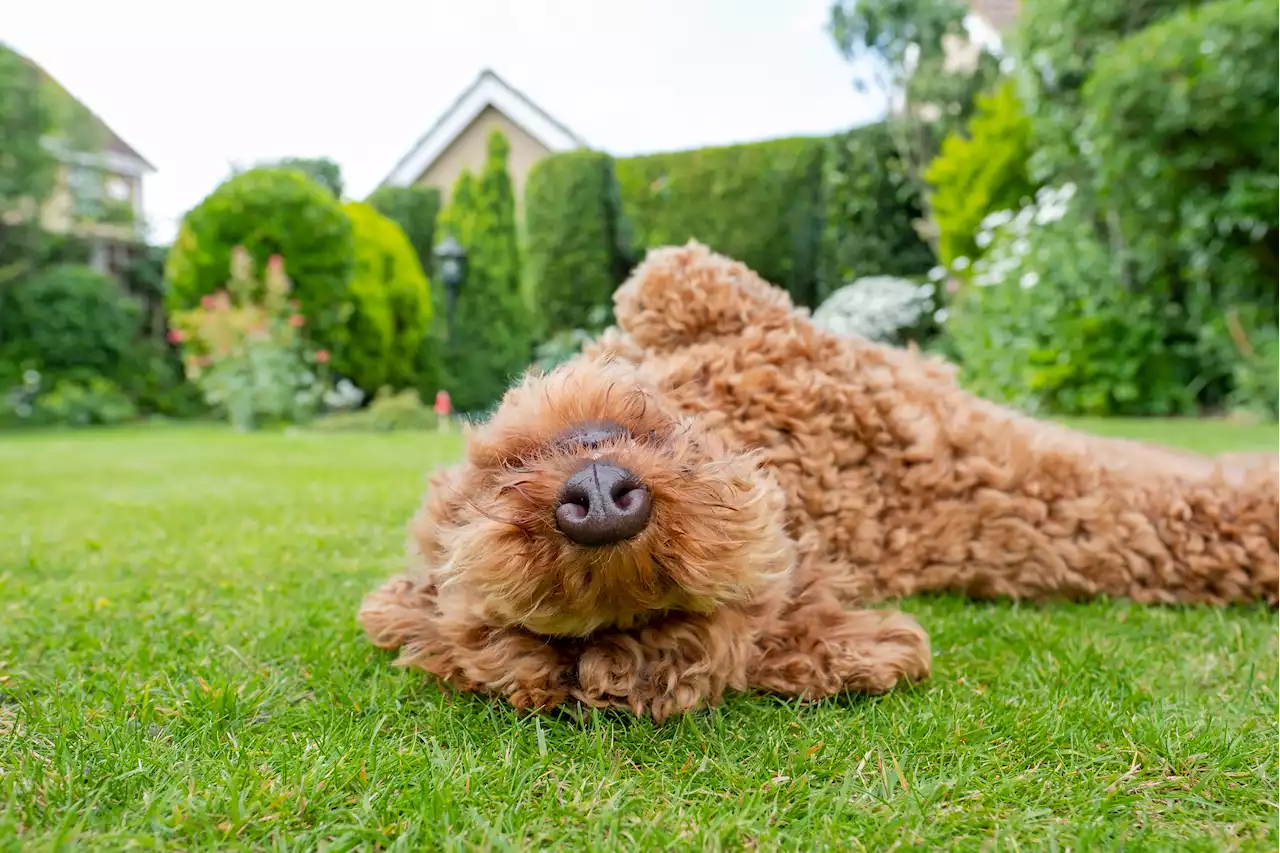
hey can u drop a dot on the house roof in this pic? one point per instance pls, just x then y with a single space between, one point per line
113 145
999 14
488 90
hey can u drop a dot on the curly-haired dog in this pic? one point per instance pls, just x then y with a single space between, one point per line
703 499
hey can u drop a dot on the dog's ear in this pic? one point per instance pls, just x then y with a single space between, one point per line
687 294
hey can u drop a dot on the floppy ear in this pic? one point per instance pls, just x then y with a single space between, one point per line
684 295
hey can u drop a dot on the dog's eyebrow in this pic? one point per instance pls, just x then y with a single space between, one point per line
590 434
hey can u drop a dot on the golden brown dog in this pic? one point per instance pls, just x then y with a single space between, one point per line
702 501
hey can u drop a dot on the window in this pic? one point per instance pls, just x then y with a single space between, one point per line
85 186
118 189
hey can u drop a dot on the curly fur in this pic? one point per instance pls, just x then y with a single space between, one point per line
795 477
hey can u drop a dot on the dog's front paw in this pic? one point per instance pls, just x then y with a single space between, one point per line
876 656
618 674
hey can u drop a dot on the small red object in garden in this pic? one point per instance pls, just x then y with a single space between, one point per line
297 320
176 336
443 404
322 356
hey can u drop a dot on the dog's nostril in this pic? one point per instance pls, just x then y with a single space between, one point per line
601 504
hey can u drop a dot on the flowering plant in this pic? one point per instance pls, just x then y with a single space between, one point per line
878 308
243 347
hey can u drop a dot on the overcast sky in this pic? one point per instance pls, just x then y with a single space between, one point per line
197 86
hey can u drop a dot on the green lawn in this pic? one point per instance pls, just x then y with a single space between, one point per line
181 669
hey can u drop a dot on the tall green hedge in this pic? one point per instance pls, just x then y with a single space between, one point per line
870 212
490 343
759 203
415 209
576 243
269 212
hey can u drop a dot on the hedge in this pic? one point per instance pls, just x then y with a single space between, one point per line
415 210
759 203
575 240
269 212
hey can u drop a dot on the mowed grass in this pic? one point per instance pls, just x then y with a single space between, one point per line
181 669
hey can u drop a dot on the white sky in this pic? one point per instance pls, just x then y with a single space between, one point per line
197 86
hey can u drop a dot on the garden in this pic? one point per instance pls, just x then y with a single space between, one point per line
211 452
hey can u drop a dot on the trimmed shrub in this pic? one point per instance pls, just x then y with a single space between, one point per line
490 343
879 308
391 301
980 172
1047 324
270 212
389 412
70 321
871 208
759 203
575 240
322 170
415 210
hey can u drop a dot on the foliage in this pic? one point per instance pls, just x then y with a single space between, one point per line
1187 170
567 343
244 348
1048 326
910 51
322 170
27 169
1256 375
490 342
70 320
392 305
270 212
879 308
980 171
760 204
1058 42
415 209
390 411
576 242
870 211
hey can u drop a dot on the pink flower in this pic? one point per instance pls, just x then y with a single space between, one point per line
322 356
443 405
176 336
202 361
297 320
275 263
208 302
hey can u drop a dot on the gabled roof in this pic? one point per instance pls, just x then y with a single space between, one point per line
488 90
113 145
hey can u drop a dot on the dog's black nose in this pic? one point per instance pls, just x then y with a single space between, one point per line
602 503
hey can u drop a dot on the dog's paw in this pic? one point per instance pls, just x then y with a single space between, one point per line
619 675
875 658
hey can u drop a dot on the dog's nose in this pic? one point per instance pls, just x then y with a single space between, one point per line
602 503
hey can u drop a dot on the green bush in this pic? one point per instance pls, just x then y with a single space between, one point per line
415 210
389 412
1046 323
1181 122
70 321
490 343
980 172
270 212
392 305
322 170
759 203
870 212
575 239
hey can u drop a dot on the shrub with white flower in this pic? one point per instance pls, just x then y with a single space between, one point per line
878 308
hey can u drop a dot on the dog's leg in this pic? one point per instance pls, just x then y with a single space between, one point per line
530 672
673 667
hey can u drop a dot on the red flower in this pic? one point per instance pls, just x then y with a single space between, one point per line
208 302
297 320
322 356
275 263
176 336
443 405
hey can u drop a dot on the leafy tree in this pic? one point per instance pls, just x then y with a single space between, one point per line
415 210
27 169
489 343
322 170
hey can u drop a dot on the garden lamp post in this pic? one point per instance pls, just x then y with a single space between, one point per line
453 269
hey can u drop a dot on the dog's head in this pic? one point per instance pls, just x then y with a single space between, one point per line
586 502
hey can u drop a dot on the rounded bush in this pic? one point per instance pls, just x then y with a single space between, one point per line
391 305
70 320
269 212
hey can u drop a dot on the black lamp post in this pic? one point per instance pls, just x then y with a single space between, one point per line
453 269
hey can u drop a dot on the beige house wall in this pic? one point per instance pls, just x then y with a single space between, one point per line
468 150
59 213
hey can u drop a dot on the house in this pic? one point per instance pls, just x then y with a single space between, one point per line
986 25
459 138
98 195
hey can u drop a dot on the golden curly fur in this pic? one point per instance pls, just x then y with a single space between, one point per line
795 476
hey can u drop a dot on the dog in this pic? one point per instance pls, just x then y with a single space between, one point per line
710 495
